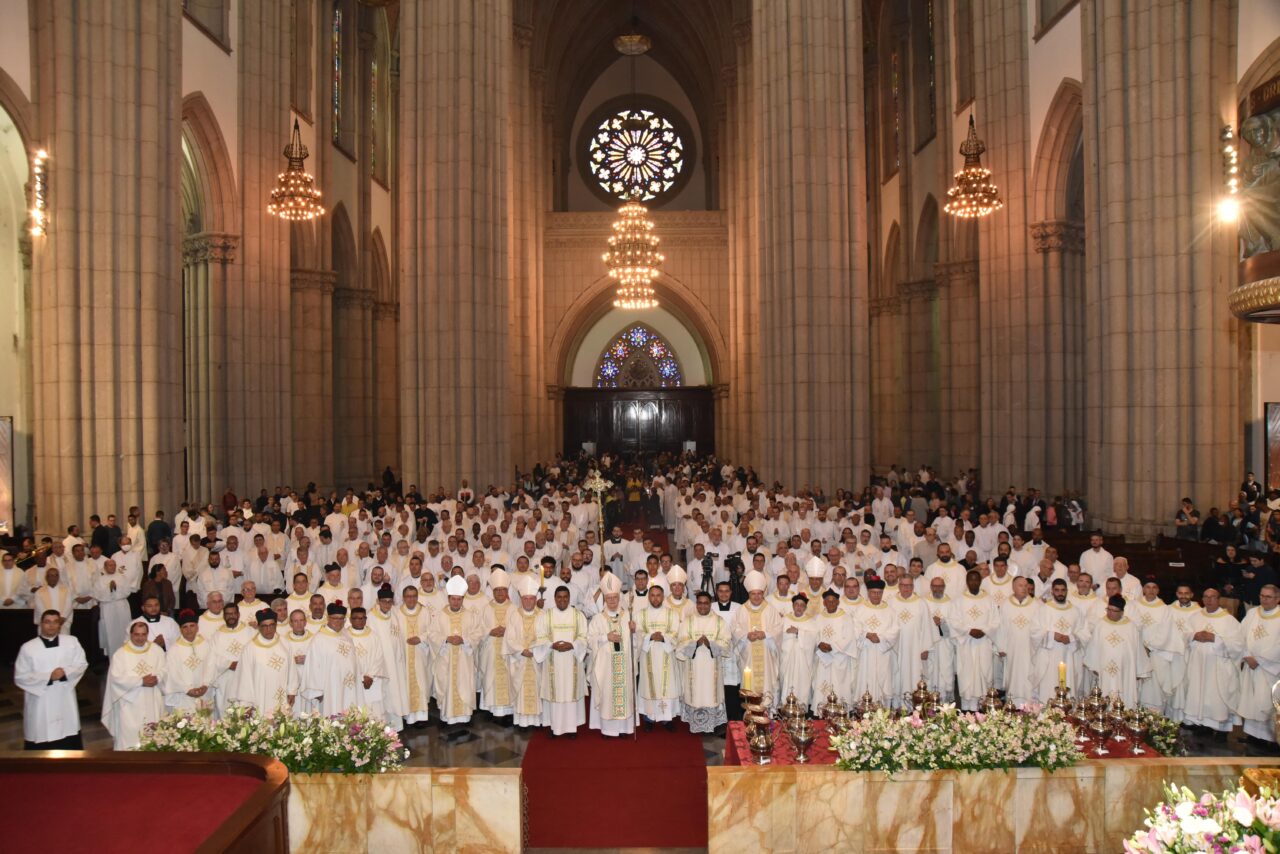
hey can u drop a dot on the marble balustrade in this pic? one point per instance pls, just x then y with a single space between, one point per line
1091 807
411 810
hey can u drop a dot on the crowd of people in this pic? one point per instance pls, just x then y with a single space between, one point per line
509 603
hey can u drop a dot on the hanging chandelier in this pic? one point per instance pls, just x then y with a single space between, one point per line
973 195
633 257
295 196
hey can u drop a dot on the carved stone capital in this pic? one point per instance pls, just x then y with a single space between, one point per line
209 247
1058 236
945 272
885 305
386 311
312 280
522 34
918 289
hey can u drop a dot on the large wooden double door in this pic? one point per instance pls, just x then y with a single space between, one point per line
639 420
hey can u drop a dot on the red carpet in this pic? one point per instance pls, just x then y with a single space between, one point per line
124 813
594 792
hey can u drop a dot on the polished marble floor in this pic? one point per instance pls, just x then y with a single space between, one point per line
482 743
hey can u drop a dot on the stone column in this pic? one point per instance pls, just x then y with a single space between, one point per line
454 75
386 434
1059 275
884 376
255 304
1163 410
311 319
959 397
1012 414
807 75
920 327
207 260
352 411
107 326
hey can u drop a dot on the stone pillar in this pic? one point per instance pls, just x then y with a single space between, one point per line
255 304
920 328
386 433
884 376
207 260
311 318
352 411
1059 276
1012 414
959 397
106 301
807 75
528 188
741 407
454 75
1163 410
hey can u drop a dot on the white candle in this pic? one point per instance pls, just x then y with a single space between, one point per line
746 679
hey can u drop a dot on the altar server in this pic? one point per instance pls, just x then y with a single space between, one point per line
564 629
48 669
133 697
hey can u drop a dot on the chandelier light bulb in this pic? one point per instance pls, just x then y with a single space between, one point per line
633 258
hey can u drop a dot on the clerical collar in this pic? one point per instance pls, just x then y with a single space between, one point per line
49 643
724 606
151 619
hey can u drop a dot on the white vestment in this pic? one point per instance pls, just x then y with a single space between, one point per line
454 666
50 711
1117 658
940 668
1261 632
266 676
496 696
1211 689
525 670
417 662
332 673
876 657
1017 640
916 633
390 634
1065 619
184 670
371 665
834 670
1166 646
564 680
660 674
128 705
974 666
226 646
703 696
114 615
759 655
298 646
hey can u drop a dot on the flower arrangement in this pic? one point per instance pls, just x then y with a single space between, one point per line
958 741
1164 734
1234 821
350 743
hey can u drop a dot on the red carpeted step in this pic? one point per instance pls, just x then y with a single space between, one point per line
649 791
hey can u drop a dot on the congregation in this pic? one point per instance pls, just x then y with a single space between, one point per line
510 602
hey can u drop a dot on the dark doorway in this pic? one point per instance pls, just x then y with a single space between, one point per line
630 420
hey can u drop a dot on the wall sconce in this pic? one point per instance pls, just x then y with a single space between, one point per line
1229 205
39 193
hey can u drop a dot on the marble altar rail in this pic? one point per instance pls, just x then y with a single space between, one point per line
1091 807
412 810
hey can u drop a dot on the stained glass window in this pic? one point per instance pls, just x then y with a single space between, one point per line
638 357
636 150
337 71
373 115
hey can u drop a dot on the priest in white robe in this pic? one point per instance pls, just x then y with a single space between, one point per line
112 590
54 595
704 642
1066 637
1116 654
372 673
225 647
414 622
454 634
564 680
975 617
496 695
940 666
1211 689
526 651
657 632
385 624
795 651
332 674
875 626
184 668
297 640
133 697
916 633
756 630
267 680
1166 647
1261 667
47 670
835 653
1018 638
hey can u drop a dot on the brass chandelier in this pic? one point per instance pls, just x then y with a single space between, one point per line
633 257
295 197
973 195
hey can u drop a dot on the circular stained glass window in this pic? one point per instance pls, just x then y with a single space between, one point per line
637 153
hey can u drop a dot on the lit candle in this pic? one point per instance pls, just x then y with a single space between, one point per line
746 679
1062 674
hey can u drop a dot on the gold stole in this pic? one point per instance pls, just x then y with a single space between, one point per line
648 658
617 671
755 622
530 702
501 678
551 656
456 707
411 630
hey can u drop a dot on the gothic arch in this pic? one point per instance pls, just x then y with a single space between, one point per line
304 245
344 250
19 109
215 183
1265 66
891 271
1060 141
926 254
383 288
595 301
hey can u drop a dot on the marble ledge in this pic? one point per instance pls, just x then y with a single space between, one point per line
476 810
1091 807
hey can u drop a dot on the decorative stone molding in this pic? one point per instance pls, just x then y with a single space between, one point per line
885 305
946 271
1256 301
918 289
312 280
1058 236
386 310
352 298
205 247
676 228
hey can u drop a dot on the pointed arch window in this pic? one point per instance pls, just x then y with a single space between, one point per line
638 357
